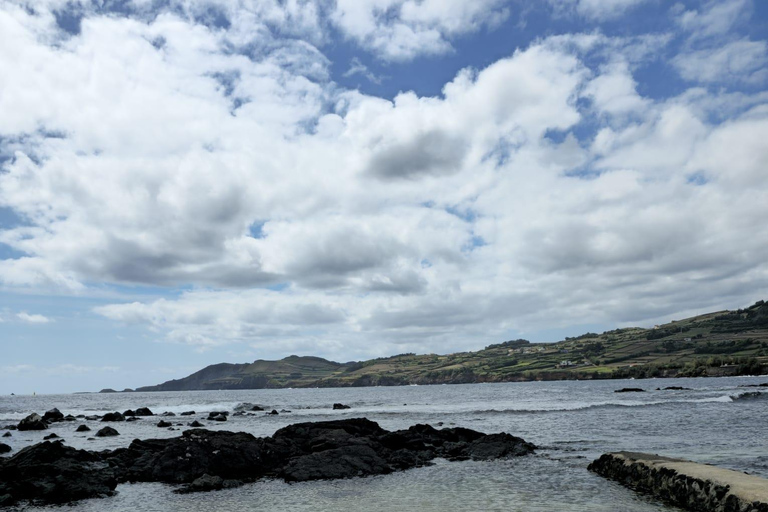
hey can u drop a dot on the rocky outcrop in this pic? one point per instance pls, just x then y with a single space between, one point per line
83 428
206 460
113 416
32 422
53 415
337 407
107 432
218 416
686 484
50 472
4 448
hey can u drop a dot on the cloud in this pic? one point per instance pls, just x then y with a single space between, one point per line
211 155
596 10
33 319
716 17
358 68
401 30
737 61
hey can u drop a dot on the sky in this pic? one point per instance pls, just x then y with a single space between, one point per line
188 182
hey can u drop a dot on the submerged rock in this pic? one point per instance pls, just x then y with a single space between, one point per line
630 390
208 483
187 413
32 422
7 434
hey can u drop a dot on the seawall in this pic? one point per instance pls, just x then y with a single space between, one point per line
687 484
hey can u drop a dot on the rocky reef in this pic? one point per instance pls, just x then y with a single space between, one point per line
203 460
686 484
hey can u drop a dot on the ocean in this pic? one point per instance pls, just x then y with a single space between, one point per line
717 421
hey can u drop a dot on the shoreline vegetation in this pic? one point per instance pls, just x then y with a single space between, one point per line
723 343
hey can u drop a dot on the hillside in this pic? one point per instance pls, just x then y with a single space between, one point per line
714 344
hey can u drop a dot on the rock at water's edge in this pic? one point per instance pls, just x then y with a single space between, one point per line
689 485
207 460
50 472
107 432
630 390
32 422
113 416
337 407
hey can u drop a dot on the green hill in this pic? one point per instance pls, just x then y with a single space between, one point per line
715 344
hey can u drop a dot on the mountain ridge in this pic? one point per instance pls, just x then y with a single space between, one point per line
712 344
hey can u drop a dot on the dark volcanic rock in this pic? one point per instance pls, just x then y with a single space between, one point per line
83 428
208 483
273 412
218 416
7 434
4 448
107 432
163 424
196 424
346 462
676 388
129 412
50 472
132 418
32 422
144 411
51 436
630 390
188 413
207 460
53 415
113 416
337 407
168 414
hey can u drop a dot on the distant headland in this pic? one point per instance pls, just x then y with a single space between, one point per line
715 344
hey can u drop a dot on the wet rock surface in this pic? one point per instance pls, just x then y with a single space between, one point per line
207 460
50 472
686 484
32 422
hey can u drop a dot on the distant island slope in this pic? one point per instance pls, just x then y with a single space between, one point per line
715 344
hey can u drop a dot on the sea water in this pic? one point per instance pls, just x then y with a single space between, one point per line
572 422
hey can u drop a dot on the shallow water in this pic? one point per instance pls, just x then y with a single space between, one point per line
573 423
